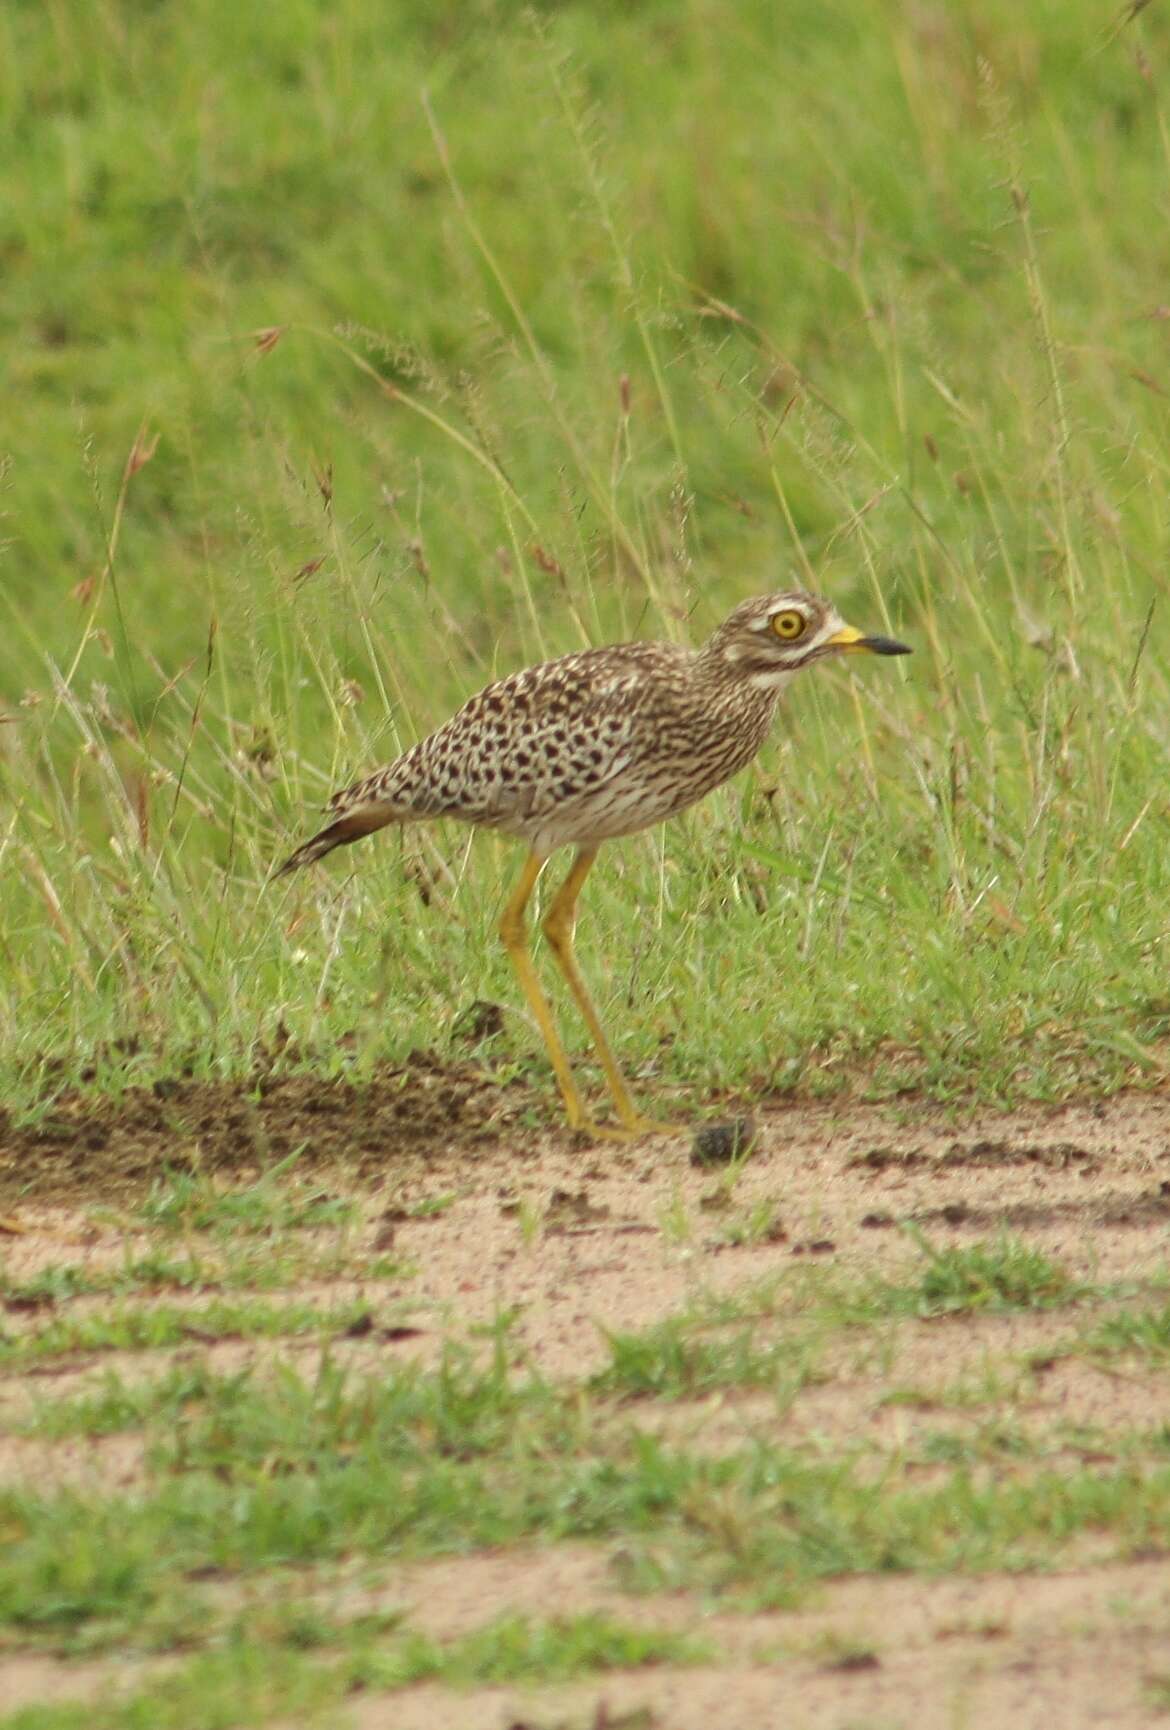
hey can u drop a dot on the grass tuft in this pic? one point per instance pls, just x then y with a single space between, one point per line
188 1202
1006 1274
131 1327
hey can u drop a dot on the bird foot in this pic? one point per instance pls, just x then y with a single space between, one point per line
635 1129
656 1126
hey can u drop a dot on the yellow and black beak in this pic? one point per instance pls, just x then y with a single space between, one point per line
851 642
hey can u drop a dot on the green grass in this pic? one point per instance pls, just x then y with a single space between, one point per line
265 1496
228 1267
887 297
992 1274
298 1473
1004 1274
191 1202
678 1360
1137 1331
128 1327
118 1403
249 1681
259 1470
773 1335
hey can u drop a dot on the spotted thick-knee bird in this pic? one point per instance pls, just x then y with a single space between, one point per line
589 747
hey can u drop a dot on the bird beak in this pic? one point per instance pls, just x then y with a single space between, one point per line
852 642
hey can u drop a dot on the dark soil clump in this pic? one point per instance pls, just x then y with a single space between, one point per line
106 1145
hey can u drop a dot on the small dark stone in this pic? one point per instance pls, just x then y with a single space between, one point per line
848 1662
720 1143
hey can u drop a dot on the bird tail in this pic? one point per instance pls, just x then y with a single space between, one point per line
351 827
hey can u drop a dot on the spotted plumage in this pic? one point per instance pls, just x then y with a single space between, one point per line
590 747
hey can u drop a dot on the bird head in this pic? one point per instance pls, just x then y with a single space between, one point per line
767 638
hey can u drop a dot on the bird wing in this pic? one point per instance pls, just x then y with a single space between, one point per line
522 746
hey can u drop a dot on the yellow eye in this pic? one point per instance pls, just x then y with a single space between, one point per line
790 625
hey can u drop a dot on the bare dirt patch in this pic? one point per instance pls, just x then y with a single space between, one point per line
578 1237
1071 1649
479 1216
430 1112
104 1463
28 1680
101 1145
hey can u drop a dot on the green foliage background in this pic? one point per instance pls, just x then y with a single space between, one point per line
888 287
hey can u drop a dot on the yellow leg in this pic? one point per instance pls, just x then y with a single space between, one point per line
514 936
558 928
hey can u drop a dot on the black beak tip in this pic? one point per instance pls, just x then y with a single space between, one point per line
885 646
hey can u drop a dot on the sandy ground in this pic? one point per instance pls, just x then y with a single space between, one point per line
1070 1651
582 1239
